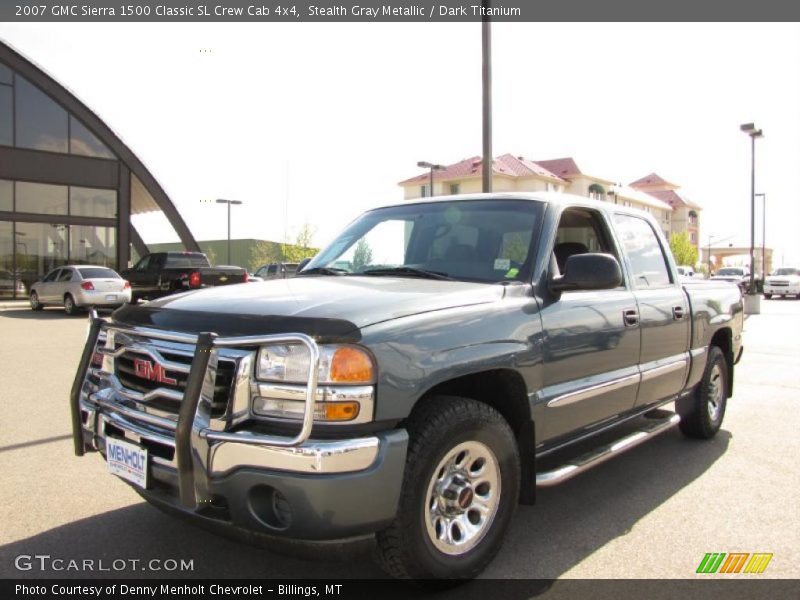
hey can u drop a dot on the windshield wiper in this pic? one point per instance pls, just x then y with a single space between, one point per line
323 271
409 271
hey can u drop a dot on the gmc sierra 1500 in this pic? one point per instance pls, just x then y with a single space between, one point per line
414 379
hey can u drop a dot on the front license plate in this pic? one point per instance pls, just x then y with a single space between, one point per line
127 461
111 297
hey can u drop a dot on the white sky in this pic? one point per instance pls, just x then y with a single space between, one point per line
327 118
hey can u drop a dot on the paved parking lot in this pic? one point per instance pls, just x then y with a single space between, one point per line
652 513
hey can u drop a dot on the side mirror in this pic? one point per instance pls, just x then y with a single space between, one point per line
589 272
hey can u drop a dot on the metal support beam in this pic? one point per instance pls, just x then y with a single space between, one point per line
123 217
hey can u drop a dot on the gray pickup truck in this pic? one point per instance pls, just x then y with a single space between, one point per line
423 375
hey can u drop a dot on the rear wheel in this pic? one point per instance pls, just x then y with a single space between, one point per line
69 305
35 304
460 490
702 412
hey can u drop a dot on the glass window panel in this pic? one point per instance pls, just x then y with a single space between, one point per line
41 198
93 202
646 258
6 116
5 74
40 247
90 245
7 279
82 141
6 195
41 123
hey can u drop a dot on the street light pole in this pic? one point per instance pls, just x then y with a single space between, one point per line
229 202
763 237
750 129
486 80
433 167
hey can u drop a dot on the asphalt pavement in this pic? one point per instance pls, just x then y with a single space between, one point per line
654 512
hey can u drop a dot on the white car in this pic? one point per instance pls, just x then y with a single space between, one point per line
80 286
784 281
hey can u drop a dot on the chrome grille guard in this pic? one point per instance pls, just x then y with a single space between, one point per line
191 450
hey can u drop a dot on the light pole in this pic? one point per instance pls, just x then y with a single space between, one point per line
750 129
433 167
229 202
486 86
763 237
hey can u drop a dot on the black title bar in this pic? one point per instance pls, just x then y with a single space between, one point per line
368 11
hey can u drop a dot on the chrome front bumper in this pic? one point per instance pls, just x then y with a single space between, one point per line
195 446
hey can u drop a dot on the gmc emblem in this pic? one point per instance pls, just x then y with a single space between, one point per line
154 372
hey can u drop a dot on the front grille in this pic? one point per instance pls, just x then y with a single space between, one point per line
126 373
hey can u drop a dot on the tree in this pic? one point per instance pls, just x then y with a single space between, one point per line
302 246
263 253
362 256
683 250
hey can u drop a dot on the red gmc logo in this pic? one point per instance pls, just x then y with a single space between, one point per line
154 372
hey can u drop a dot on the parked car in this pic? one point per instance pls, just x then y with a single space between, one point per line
420 396
277 271
784 281
10 284
684 271
738 275
76 287
163 273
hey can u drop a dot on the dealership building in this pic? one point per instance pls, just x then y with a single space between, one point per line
68 184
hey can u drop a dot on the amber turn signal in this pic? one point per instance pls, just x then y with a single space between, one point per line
338 411
351 365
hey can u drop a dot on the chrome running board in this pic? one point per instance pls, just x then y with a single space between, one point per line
601 454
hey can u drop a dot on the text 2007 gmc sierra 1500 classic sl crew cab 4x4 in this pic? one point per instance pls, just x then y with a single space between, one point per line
415 379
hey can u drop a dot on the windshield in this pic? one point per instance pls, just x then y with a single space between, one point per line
473 240
786 271
738 272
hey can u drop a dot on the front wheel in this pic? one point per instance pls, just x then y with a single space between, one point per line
702 412
767 296
35 304
460 490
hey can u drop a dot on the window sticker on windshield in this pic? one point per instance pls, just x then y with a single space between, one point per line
512 273
502 264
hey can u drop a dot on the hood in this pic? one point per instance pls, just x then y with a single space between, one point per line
323 306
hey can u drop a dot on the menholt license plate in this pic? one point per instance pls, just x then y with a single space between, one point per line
127 460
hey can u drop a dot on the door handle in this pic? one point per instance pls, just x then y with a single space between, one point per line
677 312
630 316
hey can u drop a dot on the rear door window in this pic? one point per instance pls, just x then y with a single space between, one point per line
66 275
643 250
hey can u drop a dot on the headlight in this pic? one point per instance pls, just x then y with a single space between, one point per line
289 363
345 383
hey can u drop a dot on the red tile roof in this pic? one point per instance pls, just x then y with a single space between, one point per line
511 166
652 180
673 198
563 167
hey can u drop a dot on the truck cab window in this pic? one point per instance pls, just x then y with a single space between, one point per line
645 256
580 231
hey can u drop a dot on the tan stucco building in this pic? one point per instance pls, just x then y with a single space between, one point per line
673 211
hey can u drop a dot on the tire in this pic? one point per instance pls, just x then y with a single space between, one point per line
70 307
35 304
462 467
703 411
767 296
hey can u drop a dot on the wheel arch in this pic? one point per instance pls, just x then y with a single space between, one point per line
504 390
723 339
